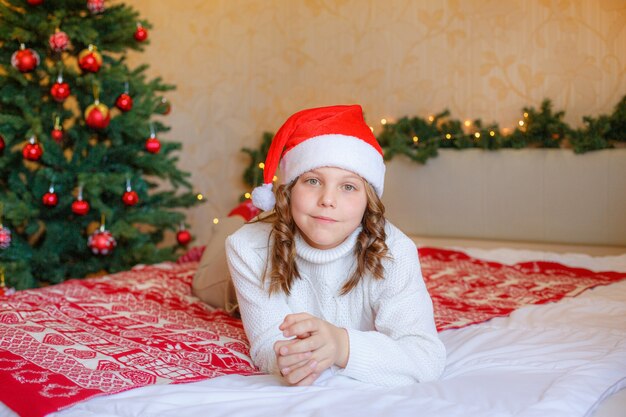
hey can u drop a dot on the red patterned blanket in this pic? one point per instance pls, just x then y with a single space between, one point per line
65 343
62 344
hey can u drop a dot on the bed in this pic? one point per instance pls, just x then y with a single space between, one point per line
530 330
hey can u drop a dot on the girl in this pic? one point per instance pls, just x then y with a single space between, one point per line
324 282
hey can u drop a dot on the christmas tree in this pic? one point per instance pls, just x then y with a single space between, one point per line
86 185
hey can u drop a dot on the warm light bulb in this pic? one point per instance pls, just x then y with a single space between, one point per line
492 133
261 165
431 118
525 114
371 128
521 123
383 121
477 135
468 123
247 195
275 178
200 197
216 220
415 139
448 136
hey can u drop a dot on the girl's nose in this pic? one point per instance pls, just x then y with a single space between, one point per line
328 198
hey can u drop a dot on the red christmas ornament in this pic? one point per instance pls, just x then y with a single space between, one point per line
2 144
90 60
5 237
165 107
101 242
153 145
183 237
95 6
34 2
141 33
130 198
60 90
57 131
25 59
124 102
59 41
32 150
80 206
97 115
50 199
6 291
57 134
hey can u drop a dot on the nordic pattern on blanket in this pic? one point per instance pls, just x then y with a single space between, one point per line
69 342
467 290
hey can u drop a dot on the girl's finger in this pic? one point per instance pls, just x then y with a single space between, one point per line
293 318
301 327
296 375
310 344
293 361
309 380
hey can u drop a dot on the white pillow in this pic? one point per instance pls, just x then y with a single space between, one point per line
212 283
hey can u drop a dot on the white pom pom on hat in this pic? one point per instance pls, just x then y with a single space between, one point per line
263 197
333 136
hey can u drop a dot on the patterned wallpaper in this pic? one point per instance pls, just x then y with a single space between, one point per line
243 66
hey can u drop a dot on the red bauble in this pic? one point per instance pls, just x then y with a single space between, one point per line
34 2
5 237
97 115
141 34
25 59
89 59
32 151
80 207
101 242
183 237
165 107
6 291
2 144
60 91
153 145
95 6
124 102
50 198
130 198
57 134
59 41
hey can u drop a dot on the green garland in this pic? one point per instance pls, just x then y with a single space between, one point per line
420 138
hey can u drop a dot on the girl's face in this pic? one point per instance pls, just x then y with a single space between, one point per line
327 205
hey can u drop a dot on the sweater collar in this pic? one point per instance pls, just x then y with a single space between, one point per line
320 256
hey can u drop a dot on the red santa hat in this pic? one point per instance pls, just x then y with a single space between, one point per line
334 136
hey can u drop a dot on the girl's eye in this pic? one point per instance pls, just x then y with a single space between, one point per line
312 181
349 187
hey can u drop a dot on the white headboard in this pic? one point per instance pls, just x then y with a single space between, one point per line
532 195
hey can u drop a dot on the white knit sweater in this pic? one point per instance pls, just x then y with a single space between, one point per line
393 340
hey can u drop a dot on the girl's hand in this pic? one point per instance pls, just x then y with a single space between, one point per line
297 368
318 345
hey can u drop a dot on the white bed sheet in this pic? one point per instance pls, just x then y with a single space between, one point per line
559 359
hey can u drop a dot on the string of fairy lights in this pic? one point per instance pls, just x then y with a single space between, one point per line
468 124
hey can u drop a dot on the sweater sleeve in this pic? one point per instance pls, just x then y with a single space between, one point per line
404 347
261 313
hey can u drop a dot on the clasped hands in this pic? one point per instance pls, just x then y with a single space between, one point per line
315 347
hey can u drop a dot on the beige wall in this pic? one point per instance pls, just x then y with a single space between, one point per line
243 66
